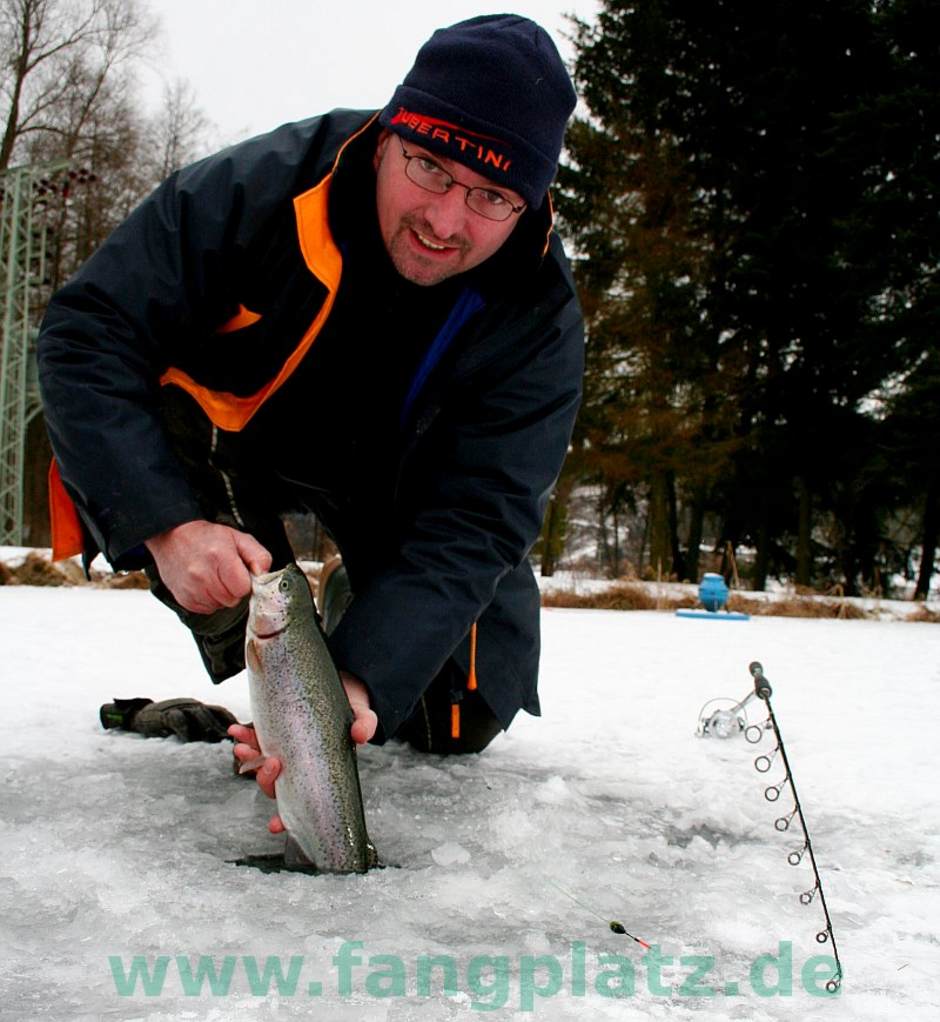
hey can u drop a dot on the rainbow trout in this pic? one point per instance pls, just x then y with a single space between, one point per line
302 716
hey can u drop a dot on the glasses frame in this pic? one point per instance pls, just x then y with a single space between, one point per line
468 189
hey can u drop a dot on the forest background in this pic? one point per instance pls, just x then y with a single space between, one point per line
749 196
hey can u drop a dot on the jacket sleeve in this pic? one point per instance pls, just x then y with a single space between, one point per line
476 496
162 280
105 340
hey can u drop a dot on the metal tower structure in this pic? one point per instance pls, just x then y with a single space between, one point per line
23 239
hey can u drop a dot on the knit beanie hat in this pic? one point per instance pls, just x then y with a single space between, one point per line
493 94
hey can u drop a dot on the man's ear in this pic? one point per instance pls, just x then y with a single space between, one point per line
380 147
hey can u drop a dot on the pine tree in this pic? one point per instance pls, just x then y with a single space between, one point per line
754 259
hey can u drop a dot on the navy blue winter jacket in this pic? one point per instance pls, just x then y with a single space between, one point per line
220 283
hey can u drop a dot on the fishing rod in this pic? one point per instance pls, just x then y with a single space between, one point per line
726 723
753 734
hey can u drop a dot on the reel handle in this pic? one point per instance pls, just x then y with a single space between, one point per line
761 684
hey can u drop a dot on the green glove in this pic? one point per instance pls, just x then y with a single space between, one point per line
188 719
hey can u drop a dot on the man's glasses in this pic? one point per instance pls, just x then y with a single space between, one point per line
426 174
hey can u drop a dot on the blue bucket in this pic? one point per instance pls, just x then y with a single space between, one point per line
713 591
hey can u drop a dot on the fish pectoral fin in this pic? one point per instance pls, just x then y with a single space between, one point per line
251 764
294 857
252 656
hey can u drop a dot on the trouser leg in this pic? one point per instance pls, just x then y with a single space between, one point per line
429 728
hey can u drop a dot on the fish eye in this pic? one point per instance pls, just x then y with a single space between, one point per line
285 585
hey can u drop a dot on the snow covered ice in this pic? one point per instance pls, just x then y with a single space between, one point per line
113 847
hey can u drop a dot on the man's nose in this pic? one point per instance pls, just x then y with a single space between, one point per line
447 213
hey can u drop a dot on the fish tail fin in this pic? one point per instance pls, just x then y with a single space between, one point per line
294 856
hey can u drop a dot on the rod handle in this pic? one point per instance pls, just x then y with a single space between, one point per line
761 684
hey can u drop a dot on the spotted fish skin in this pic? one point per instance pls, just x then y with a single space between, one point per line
302 716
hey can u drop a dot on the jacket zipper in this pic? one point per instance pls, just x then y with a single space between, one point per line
226 481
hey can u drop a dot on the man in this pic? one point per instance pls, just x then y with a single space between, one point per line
361 315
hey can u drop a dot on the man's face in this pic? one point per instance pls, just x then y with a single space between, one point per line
431 236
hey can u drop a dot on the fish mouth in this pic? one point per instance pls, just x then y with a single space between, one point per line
266 576
268 635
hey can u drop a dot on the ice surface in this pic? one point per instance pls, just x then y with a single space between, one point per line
608 807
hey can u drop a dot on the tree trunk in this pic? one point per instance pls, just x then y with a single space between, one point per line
931 528
762 555
614 568
848 558
660 546
696 526
554 527
640 567
36 528
729 566
804 553
550 530
678 561
20 65
603 543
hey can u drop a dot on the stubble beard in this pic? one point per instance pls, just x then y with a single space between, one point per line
417 268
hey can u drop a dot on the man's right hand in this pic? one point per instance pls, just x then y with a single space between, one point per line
207 566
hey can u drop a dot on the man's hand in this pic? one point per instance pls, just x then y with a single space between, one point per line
364 725
365 722
207 566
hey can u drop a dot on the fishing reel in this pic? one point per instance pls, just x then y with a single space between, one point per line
724 721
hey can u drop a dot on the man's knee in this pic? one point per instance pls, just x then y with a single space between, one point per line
450 720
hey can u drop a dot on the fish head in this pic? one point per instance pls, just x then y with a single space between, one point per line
275 600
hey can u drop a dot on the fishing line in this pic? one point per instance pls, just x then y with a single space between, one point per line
615 926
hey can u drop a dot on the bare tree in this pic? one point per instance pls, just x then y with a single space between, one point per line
60 57
68 92
179 133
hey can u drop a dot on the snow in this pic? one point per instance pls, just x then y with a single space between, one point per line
608 807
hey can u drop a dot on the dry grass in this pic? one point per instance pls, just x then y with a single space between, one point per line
626 596
925 615
621 596
797 606
124 580
618 597
37 571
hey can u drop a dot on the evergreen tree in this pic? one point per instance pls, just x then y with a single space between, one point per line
736 197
